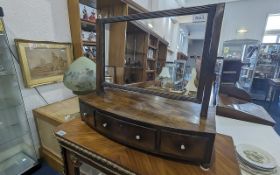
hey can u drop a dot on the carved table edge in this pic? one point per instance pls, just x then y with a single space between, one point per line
93 157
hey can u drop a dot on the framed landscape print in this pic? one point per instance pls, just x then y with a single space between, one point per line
43 62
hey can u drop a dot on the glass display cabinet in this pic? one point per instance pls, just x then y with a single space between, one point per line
17 153
245 50
268 65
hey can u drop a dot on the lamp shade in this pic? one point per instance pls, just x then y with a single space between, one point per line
165 73
80 76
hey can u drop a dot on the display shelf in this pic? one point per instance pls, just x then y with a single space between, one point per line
12 115
89 43
17 139
16 135
153 47
14 128
16 164
150 71
3 74
9 103
87 22
88 26
133 67
151 59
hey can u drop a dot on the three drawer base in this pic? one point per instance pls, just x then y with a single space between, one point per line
182 145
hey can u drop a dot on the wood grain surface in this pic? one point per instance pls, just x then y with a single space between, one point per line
152 109
84 137
55 113
244 110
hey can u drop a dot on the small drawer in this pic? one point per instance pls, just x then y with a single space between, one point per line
125 132
87 114
184 146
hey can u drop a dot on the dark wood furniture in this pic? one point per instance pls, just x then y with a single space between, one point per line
139 121
144 121
231 71
235 91
239 109
82 145
138 65
274 86
47 118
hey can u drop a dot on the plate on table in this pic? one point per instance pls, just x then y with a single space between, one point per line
256 157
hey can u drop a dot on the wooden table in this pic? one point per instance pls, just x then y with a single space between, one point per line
82 145
47 119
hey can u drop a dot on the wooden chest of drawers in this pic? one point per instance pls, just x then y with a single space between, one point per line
151 126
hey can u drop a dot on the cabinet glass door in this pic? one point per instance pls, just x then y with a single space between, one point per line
17 153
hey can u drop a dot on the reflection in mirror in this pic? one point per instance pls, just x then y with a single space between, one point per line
161 54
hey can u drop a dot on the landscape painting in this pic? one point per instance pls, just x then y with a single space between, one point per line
43 62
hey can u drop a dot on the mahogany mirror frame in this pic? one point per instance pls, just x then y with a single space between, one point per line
209 55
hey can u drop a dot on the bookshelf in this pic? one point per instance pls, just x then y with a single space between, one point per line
82 19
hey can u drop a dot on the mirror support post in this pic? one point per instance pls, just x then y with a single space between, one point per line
218 12
100 55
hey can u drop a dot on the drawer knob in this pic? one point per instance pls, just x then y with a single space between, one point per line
137 137
104 125
85 114
183 147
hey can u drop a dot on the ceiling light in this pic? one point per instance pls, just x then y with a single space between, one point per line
242 31
150 25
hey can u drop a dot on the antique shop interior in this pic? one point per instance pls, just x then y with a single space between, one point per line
144 87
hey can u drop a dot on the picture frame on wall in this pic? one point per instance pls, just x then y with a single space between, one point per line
43 62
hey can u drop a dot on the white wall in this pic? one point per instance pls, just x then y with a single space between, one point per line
249 14
38 20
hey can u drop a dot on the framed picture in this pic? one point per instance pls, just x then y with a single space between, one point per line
43 62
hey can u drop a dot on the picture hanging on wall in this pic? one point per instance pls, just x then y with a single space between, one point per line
43 62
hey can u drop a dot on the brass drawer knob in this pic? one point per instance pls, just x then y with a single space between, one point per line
183 147
85 114
104 125
137 137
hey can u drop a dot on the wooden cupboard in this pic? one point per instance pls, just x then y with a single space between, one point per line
47 118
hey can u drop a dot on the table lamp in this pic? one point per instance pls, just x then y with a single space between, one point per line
80 76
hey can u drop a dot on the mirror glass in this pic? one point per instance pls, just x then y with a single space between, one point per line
160 54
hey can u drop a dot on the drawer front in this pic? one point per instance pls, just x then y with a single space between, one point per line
183 145
125 132
87 114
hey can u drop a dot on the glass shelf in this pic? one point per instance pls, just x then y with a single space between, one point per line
16 133
17 164
12 115
2 74
9 103
17 151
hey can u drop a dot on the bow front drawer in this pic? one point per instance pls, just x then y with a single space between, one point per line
184 145
125 132
87 114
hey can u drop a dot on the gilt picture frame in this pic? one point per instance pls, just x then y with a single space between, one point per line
43 62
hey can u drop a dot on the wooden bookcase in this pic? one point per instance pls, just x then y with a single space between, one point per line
104 8
162 54
77 25
142 57
133 40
